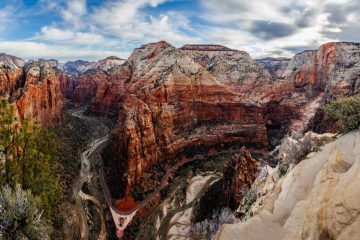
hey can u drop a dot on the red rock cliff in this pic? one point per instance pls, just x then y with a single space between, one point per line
167 100
238 176
34 87
172 103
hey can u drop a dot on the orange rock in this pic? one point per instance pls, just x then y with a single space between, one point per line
125 204
238 176
166 100
35 89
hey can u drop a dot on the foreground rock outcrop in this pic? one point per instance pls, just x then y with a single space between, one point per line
317 199
33 87
238 176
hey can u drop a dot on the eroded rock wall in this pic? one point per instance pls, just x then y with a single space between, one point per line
33 87
168 99
316 199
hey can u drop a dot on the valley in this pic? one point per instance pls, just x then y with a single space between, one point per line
146 142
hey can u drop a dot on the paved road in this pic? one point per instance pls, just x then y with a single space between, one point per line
84 176
121 218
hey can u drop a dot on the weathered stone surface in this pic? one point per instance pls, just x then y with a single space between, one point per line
34 87
317 199
171 99
334 67
238 176
167 100
76 67
275 66
68 84
173 103
79 67
11 73
99 83
40 98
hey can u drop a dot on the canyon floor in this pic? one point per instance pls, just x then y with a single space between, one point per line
166 213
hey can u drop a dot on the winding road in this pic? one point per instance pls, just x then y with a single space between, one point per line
120 218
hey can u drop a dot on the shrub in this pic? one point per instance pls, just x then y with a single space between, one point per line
346 111
27 154
20 217
207 228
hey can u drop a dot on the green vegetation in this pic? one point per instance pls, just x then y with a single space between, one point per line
346 111
20 216
27 154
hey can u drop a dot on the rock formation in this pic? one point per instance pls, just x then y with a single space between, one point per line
75 68
79 67
238 176
168 99
173 103
11 72
275 66
317 199
33 87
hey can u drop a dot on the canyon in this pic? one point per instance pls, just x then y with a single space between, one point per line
166 100
168 104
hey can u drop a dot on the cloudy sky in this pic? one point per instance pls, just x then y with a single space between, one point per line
94 29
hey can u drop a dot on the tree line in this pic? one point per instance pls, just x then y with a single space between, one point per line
27 154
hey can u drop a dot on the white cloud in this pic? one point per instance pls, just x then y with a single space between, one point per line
261 27
55 34
280 27
64 36
35 50
125 20
115 23
74 12
7 14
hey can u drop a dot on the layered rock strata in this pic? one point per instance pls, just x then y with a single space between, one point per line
316 199
33 87
168 99
238 176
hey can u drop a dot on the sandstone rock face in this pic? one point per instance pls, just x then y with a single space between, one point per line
99 83
238 176
168 99
330 71
68 83
75 68
173 103
275 66
79 67
34 87
105 64
40 98
103 89
171 99
334 67
10 74
317 199
110 93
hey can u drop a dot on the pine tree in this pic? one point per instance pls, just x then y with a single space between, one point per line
29 152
